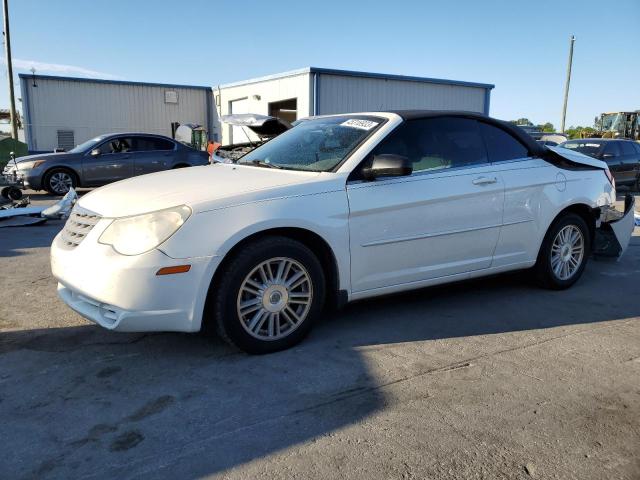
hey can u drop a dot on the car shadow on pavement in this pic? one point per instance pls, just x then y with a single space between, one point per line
83 401
14 241
80 400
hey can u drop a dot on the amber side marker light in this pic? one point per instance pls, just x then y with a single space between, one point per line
172 270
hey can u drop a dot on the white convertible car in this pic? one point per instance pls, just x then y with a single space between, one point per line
338 208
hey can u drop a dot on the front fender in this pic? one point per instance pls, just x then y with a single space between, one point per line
216 232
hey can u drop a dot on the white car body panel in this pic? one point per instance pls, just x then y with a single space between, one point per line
531 205
202 188
224 228
424 226
386 236
123 292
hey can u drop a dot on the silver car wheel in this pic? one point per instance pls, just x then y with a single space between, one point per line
567 252
60 182
275 298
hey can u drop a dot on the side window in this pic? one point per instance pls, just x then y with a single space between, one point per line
437 143
611 149
627 148
502 146
116 145
145 144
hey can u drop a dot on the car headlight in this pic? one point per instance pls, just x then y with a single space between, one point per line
30 165
139 234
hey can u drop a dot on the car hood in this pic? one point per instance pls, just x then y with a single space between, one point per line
577 157
201 188
265 126
42 156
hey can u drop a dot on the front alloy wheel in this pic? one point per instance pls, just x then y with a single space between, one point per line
59 182
275 298
266 296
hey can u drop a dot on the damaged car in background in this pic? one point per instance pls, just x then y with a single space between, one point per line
263 127
337 208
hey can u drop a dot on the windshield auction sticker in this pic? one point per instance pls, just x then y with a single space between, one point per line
361 124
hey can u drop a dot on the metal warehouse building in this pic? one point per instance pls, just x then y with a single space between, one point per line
61 112
320 91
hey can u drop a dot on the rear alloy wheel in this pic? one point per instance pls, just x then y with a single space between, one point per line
268 295
567 252
564 252
58 182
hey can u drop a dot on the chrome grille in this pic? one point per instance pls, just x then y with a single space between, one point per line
78 226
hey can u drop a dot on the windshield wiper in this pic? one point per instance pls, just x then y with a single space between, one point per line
262 163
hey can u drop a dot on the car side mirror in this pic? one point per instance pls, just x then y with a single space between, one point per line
388 165
95 152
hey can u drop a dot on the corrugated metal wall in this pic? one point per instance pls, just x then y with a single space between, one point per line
270 90
90 108
94 108
345 94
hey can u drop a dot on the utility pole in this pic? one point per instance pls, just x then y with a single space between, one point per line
566 85
7 50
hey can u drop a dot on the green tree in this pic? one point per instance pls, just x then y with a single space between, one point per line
547 127
523 121
573 132
580 132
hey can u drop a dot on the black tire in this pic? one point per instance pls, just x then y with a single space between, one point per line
5 192
545 274
53 187
181 165
222 305
14 193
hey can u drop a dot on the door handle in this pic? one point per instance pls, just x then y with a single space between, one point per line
484 180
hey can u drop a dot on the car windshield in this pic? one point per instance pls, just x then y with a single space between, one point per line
89 144
612 122
316 145
590 148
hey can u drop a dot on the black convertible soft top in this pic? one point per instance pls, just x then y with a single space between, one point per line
535 149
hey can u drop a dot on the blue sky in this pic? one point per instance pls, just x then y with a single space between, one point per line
521 47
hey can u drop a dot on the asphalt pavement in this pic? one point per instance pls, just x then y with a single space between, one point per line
493 378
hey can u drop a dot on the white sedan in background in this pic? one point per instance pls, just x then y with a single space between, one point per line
338 208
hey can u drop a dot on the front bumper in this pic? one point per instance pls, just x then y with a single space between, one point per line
614 234
124 293
10 177
32 181
31 178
